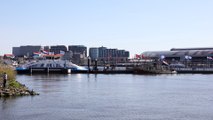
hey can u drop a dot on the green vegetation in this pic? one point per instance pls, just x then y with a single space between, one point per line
9 70
14 84
13 87
11 82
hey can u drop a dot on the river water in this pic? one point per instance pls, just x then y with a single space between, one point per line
112 97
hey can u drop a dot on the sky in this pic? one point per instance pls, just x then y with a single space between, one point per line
133 25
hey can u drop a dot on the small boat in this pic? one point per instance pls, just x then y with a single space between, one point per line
156 69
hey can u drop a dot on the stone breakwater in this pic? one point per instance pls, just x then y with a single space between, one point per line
21 91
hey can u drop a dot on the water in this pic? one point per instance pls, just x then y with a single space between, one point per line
112 97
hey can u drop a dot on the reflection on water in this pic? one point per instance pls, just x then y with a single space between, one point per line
110 97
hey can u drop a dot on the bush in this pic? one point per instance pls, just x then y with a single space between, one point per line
9 70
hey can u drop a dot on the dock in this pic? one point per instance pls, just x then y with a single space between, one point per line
195 70
67 67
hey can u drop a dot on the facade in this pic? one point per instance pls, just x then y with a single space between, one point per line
68 55
101 51
127 54
25 50
47 48
16 51
93 53
79 53
189 55
80 49
58 49
108 56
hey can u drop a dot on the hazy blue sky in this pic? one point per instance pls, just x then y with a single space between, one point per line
134 25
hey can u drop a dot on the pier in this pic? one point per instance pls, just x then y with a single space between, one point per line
144 67
195 70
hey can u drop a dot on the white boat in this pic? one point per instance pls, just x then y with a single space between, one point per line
50 65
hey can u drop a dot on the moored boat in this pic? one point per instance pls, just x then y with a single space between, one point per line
49 66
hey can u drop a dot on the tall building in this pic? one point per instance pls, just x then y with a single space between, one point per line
121 53
106 55
68 55
78 49
58 48
93 53
47 48
16 51
79 53
25 50
101 51
127 54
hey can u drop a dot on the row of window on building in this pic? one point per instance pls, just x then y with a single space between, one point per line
105 54
29 50
76 53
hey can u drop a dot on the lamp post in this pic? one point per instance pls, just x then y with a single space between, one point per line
88 63
96 64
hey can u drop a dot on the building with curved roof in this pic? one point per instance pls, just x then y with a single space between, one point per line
180 54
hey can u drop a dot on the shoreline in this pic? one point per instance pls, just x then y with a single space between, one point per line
20 90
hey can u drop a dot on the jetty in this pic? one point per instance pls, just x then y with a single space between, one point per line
195 70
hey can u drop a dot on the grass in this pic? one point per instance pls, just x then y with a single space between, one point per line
14 84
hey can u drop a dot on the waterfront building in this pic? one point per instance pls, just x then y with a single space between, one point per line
46 48
79 53
58 49
25 50
121 53
180 55
126 54
93 53
108 56
191 57
16 51
101 51
68 55
79 49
